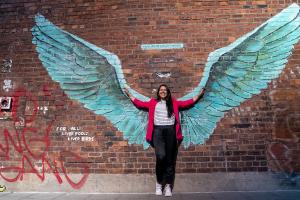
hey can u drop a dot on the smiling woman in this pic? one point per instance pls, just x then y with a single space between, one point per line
164 133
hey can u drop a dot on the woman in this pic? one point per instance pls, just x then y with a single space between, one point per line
164 132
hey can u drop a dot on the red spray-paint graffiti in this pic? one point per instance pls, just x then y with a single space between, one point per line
22 145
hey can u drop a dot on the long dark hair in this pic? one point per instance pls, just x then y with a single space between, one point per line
169 102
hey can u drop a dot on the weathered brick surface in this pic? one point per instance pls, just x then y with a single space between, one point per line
261 134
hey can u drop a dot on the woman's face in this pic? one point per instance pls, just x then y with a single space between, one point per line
163 92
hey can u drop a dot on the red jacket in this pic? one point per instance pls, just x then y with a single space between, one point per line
150 105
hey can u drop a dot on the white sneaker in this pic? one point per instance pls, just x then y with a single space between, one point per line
168 191
158 189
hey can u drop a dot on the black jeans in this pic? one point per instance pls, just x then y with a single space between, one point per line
165 145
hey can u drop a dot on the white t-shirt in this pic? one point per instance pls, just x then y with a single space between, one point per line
161 114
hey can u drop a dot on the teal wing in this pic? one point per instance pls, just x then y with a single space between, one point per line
236 72
90 75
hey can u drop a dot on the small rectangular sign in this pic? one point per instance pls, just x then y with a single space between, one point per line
162 46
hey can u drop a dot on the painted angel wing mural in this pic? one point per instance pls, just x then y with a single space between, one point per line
240 70
90 75
232 74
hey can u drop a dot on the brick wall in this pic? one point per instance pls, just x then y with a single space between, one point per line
262 134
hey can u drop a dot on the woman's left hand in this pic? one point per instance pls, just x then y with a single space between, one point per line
197 97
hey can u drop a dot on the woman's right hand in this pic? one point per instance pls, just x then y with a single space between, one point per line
128 94
126 91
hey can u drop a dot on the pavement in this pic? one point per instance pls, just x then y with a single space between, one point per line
226 195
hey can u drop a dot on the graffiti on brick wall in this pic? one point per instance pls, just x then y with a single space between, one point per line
74 133
23 141
280 157
282 152
163 74
44 109
6 65
162 46
7 85
163 60
232 75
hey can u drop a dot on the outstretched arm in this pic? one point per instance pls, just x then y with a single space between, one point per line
192 101
198 96
132 98
138 103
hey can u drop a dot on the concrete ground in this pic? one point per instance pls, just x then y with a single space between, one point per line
144 183
228 195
